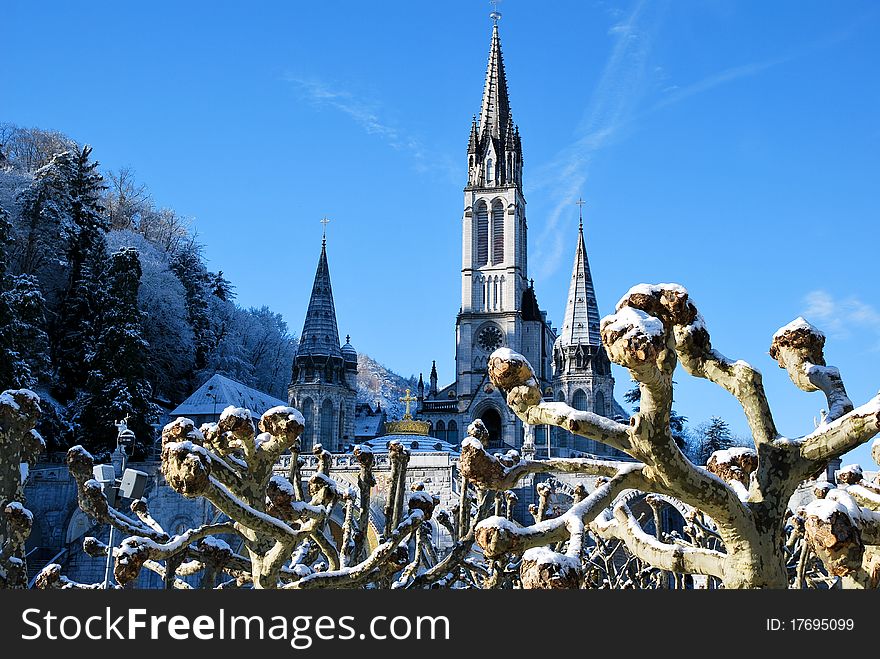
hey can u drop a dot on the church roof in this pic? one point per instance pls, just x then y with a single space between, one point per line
320 335
348 351
219 392
495 110
414 443
581 323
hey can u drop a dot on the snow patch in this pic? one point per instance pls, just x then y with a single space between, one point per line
216 543
283 485
633 322
798 323
506 354
726 456
546 556
473 442
651 289
291 412
824 509
16 506
237 412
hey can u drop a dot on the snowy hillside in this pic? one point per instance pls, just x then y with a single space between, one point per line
377 383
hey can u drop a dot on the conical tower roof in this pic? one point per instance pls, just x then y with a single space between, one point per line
581 324
320 335
495 110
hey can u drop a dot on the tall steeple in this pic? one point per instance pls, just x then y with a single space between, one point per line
494 147
320 335
581 323
495 110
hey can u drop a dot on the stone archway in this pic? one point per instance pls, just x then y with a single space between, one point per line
491 418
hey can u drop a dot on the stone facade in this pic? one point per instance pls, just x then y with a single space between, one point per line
498 303
581 368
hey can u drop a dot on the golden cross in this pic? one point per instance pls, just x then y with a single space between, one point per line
325 221
408 399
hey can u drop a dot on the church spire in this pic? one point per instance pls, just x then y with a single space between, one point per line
494 147
581 324
495 110
320 335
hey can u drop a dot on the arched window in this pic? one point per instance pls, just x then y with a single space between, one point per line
440 433
327 425
452 433
492 420
342 437
490 172
307 407
497 232
482 233
579 400
600 403
494 293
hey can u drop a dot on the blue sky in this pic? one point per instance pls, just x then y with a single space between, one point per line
728 146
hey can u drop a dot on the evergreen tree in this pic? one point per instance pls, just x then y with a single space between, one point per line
714 435
84 228
187 265
23 343
117 384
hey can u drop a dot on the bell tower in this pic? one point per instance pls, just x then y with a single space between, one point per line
498 304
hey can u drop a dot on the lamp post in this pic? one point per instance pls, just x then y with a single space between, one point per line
130 486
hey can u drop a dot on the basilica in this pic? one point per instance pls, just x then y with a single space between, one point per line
499 307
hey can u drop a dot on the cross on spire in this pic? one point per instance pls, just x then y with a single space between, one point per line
580 204
495 15
325 221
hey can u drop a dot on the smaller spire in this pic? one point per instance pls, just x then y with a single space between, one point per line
432 390
474 138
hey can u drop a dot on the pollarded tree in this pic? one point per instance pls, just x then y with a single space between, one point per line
842 527
283 530
745 492
19 443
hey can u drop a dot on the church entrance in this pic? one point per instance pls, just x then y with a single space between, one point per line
492 420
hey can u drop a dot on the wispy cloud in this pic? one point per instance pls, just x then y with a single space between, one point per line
611 108
367 113
677 93
614 110
843 318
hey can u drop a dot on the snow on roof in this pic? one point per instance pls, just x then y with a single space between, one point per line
796 324
368 425
220 392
